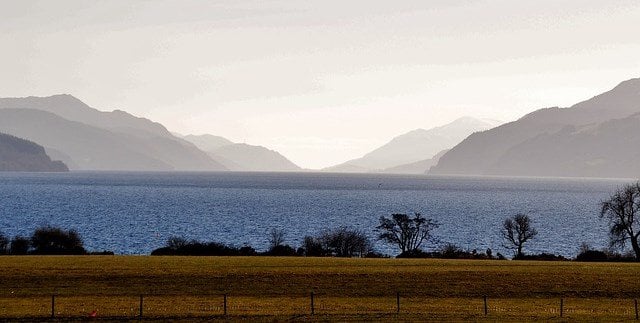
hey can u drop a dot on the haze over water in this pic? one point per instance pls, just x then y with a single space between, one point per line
134 213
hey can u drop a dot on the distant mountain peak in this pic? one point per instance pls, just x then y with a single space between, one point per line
465 119
416 145
633 84
64 98
35 101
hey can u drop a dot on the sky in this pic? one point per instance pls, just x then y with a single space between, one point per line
319 81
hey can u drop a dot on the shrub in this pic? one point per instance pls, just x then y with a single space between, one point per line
617 257
312 247
56 241
542 256
375 254
415 253
176 243
592 255
101 253
449 251
588 254
177 246
19 246
4 244
281 250
247 251
206 249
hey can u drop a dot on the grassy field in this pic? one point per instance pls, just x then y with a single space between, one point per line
268 288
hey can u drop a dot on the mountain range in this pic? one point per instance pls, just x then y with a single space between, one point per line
85 138
416 151
22 155
599 137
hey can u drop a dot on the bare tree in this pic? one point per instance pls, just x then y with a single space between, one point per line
345 242
517 231
623 211
276 238
408 233
314 247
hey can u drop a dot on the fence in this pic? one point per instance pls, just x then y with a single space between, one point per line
226 305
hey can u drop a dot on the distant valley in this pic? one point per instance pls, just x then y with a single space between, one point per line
416 151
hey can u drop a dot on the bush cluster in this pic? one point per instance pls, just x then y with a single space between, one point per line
177 246
44 241
340 242
588 254
451 251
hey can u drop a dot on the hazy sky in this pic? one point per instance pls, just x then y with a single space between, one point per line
320 81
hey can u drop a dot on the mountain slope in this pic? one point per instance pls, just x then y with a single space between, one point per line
104 140
536 143
254 158
608 149
419 167
71 108
415 146
208 142
242 157
88 147
22 155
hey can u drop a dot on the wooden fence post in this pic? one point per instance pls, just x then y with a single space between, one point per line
398 302
561 307
486 309
141 305
53 305
313 310
225 304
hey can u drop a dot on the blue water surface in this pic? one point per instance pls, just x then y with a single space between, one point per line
135 212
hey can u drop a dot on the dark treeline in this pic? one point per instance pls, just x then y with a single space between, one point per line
44 241
340 242
178 246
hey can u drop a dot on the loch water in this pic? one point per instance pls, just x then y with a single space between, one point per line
135 212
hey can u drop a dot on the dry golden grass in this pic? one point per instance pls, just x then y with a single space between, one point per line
268 288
